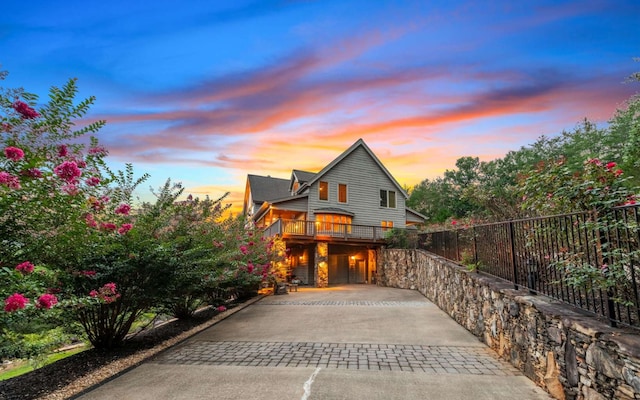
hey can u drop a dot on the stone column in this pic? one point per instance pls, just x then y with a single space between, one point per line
321 266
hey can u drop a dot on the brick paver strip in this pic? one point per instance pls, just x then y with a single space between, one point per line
361 356
348 303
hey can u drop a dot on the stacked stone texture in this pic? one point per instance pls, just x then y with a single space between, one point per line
562 349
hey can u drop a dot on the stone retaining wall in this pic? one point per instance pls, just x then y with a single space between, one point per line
564 350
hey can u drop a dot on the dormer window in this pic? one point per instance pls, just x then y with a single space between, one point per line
323 191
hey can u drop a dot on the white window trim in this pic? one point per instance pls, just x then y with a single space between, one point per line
387 193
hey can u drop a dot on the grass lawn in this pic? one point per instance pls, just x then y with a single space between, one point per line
24 367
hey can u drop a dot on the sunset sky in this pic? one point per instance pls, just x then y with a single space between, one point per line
206 92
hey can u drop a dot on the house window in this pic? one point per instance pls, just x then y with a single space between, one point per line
387 198
333 224
386 225
323 194
342 193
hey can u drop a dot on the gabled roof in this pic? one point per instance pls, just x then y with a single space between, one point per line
266 188
303 177
357 144
265 205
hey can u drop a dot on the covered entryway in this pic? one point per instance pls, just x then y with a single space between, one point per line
349 264
338 269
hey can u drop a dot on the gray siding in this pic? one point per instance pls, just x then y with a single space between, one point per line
411 217
364 179
293 205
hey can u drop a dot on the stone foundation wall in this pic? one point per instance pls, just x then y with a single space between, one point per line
564 350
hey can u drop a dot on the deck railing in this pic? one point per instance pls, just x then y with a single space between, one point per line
314 229
566 257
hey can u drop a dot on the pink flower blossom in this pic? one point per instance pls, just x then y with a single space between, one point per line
124 228
88 273
33 173
68 171
14 153
595 161
250 267
618 172
93 181
123 209
96 204
62 150
88 219
71 189
46 301
15 302
25 267
107 293
110 287
244 249
454 222
611 165
10 181
98 151
81 164
221 308
25 110
108 226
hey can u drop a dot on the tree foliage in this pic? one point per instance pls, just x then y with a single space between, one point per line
75 251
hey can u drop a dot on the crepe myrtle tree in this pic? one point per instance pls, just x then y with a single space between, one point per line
189 229
65 221
49 169
250 258
74 246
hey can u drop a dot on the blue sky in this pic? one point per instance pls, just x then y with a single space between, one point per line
205 92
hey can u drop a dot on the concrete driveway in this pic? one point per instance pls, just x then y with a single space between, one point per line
346 342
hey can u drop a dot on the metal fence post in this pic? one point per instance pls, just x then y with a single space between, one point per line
513 255
604 245
475 250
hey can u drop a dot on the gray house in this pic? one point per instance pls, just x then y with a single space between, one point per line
334 220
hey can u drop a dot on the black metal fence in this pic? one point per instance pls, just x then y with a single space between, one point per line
589 260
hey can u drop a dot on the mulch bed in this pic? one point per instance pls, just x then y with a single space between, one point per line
68 377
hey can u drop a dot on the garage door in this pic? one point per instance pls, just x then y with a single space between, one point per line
338 269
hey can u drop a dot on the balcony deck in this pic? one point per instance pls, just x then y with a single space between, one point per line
327 231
